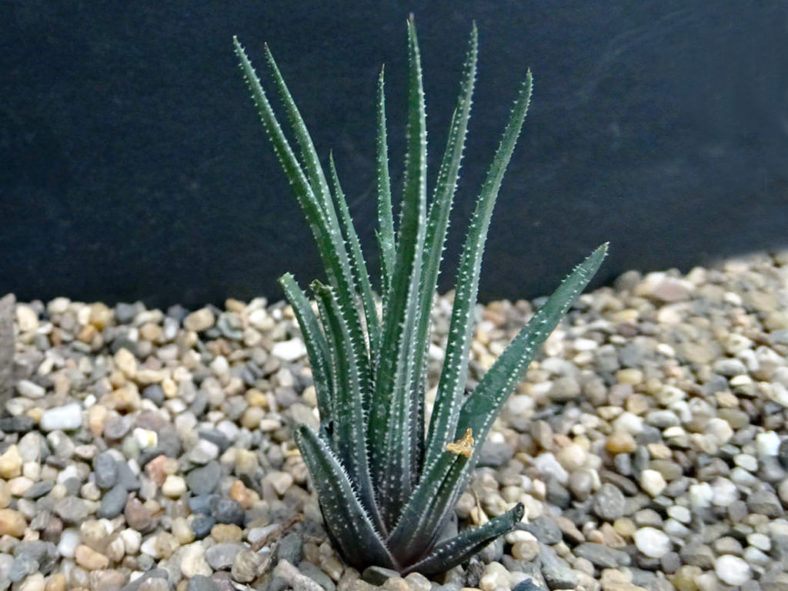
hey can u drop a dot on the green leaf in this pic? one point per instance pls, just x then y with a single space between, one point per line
314 200
357 263
345 517
390 429
349 428
452 552
484 403
428 507
385 216
309 156
306 198
453 376
315 342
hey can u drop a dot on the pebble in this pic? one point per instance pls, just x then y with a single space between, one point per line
113 502
90 559
62 418
609 502
204 480
222 556
732 570
12 523
290 351
652 542
199 320
652 482
174 486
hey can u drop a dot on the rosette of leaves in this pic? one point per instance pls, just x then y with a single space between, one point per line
386 481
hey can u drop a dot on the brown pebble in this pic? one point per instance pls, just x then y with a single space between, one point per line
620 443
138 516
56 582
89 559
226 532
12 523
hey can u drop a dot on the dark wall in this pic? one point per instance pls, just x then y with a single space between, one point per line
134 167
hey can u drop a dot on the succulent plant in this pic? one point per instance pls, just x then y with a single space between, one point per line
386 483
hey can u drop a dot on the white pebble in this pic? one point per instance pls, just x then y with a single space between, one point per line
680 513
768 443
131 541
719 429
746 461
760 541
30 389
732 570
174 486
63 418
701 495
628 423
69 540
289 350
724 492
146 438
754 556
548 465
652 542
652 482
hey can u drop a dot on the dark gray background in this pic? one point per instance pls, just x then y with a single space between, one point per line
134 167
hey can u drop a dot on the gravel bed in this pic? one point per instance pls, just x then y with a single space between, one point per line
150 450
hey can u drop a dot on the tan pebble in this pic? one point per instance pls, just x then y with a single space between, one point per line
56 582
332 566
246 497
395 584
630 376
685 579
637 404
234 305
169 387
12 523
106 580
34 582
100 315
97 416
624 527
5 495
89 559
157 470
182 530
87 334
252 417
659 451
150 332
199 320
226 532
126 362
620 443
10 463
418 582
280 481
256 398
126 398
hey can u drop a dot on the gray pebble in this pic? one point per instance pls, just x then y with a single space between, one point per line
146 581
22 567
71 510
126 478
317 575
44 554
202 525
782 453
495 454
221 556
290 548
225 510
113 502
21 424
765 502
201 583
39 489
105 470
557 573
544 529
204 480
154 393
117 427
609 502
601 555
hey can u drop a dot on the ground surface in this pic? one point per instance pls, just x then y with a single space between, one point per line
150 450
